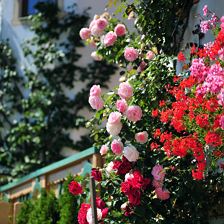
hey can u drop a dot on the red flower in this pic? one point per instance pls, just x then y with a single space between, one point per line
75 188
202 120
154 145
82 213
213 139
96 174
100 203
123 166
181 57
155 113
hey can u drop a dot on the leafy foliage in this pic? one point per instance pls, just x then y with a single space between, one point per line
68 203
41 105
42 210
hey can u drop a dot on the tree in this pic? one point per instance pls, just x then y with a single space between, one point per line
36 113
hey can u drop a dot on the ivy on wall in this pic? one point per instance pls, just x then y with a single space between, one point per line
35 113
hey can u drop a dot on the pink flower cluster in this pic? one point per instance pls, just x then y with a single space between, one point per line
95 100
159 174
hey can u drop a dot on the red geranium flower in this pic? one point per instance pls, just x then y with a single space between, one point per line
181 57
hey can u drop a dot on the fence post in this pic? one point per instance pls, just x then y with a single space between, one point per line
93 200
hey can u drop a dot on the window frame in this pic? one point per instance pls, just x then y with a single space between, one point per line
21 20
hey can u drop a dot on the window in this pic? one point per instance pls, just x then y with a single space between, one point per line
28 6
24 8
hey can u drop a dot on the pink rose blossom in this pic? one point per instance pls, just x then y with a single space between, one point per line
130 54
114 129
101 23
120 30
150 55
114 118
95 31
95 90
158 172
96 56
222 19
121 105
92 23
131 153
162 194
117 147
109 39
89 217
134 113
85 33
125 90
103 150
205 10
96 102
141 137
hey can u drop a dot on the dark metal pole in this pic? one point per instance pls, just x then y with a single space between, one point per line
93 200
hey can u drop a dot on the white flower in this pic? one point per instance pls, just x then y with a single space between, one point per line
114 129
131 153
128 176
89 215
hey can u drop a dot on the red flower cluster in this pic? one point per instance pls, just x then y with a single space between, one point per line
96 174
195 114
123 166
75 188
133 186
82 214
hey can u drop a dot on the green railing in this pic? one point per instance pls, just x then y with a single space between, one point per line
52 167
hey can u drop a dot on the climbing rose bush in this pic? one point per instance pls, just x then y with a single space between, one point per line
161 134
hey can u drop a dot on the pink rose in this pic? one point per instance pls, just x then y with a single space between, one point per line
114 129
134 113
131 153
95 31
117 147
125 90
109 39
120 30
162 194
92 23
222 19
158 172
96 56
114 118
121 105
103 150
101 23
150 55
85 33
130 54
96 102
141 137
95 90
221 122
